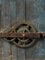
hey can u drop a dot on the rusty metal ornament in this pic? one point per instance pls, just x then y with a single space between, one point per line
21 26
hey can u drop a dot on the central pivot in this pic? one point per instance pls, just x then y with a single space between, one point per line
23 34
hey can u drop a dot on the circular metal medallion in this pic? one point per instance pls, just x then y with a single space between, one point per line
22 27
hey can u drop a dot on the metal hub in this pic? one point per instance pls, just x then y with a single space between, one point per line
22 27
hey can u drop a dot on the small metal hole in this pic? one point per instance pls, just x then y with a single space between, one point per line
16 40
29 28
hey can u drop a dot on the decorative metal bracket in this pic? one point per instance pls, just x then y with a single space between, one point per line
23 34
31 36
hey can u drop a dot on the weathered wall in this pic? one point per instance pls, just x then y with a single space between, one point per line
12 10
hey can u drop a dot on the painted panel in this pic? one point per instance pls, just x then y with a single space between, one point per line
37 16
13 10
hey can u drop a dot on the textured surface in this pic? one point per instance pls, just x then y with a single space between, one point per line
15 10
